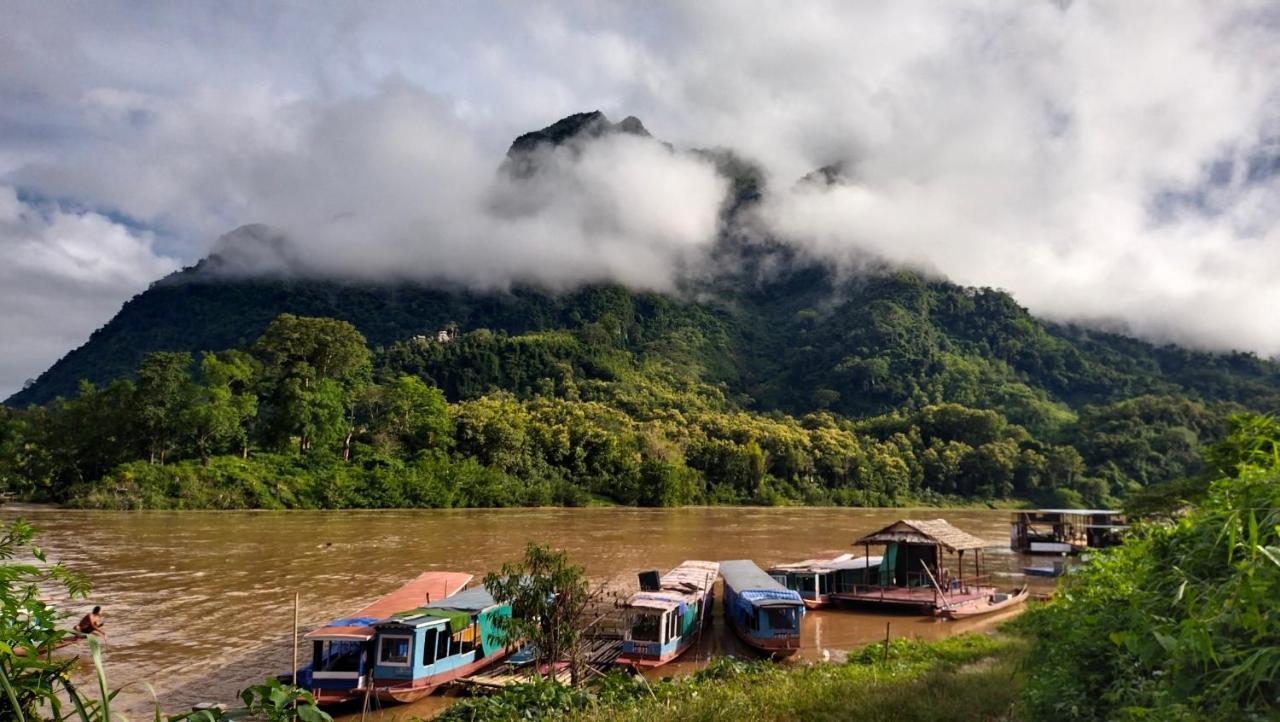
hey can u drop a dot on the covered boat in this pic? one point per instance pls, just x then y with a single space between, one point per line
667 615
765 614
420 649
817 579
342 653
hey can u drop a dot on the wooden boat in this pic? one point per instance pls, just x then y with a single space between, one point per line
667 615
342 655
992 603
762 612
1056 569
818 578
419 650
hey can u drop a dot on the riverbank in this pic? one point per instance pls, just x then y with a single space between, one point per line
968 677
279 482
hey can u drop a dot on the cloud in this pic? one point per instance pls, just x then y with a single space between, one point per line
1108 161
64 274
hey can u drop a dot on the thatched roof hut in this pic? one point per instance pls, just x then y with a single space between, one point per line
932 531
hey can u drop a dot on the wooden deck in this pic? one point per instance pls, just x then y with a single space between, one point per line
919 597
598 655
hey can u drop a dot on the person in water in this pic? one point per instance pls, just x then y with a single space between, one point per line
92 623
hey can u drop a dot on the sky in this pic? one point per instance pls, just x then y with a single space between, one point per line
1106 162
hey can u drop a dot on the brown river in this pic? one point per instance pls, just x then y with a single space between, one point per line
200 604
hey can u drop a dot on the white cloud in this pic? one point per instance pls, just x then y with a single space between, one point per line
64 274
1090 157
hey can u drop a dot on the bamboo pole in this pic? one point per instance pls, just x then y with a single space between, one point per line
295 639
886 642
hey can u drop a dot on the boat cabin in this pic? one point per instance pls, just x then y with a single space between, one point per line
765 614
668 613
437 642
816 579
1065 531
342 651
923 565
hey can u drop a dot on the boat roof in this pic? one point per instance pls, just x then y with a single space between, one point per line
922 531
424 588
686 583
820 565
751 584
457 610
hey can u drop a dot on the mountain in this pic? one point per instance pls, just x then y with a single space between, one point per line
796 338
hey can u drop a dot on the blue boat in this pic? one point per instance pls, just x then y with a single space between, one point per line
763 613
421 649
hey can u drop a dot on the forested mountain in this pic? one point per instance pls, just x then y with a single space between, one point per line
764 339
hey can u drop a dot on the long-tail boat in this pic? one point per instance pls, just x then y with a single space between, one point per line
763 613
421 649
342 651
817 579
667 615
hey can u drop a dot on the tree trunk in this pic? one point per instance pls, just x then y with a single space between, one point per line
346 446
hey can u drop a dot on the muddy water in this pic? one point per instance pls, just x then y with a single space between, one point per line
199 604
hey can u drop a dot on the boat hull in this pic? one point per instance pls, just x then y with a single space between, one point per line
644 661
778 648
388 691
980 608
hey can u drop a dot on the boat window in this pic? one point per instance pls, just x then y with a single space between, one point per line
644 628
429 646
782 618
338 656
442 644
672 627
393 650
467 639
824 583
805 583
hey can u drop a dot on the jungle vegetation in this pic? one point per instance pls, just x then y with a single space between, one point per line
308 415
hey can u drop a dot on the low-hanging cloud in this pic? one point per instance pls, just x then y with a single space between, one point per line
1114 161
401 191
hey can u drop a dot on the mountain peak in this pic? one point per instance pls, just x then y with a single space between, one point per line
568 130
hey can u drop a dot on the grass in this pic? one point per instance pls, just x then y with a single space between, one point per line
971 677
962 679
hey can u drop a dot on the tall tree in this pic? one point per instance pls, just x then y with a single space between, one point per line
311 366
164 392
224 404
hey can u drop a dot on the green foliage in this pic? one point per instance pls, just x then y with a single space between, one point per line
29 628
548 597
1181 621
971 677
628 402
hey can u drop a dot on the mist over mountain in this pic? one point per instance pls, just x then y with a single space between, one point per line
781 325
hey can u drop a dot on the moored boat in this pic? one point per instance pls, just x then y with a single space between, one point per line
421 649
342 651
667 615
817 579
991 603
762 612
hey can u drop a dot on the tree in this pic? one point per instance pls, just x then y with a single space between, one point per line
408 414
299 355
164 393
223 405
549 598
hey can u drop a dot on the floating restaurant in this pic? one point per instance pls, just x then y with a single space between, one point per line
913 572
1065 531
